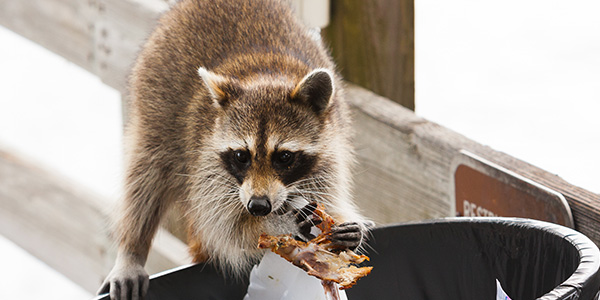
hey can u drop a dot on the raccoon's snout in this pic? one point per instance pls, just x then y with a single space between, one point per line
259 206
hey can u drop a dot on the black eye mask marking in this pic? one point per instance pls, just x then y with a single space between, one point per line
283 159
293 166
236 162
289 166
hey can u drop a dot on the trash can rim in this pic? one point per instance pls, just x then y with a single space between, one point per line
589 260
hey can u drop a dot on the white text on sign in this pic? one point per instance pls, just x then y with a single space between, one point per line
474 210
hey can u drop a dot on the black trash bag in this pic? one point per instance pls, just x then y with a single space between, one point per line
459 258
462 258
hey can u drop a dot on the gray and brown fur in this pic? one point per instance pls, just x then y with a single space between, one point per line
253 58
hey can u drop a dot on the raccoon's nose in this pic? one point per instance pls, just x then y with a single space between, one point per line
259 206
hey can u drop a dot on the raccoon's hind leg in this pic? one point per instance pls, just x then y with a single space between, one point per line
195 246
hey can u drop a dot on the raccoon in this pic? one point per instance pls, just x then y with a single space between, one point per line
237 118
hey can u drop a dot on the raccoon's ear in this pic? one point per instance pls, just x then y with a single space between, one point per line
315 90
222 89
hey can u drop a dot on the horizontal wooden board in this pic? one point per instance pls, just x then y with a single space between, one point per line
66 227
403 155
101 36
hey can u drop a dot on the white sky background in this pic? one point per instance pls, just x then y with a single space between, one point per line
520 76
65 119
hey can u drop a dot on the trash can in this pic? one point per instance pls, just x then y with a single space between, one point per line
197 282
461 258
458 258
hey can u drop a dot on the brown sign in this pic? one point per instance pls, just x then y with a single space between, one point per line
484 189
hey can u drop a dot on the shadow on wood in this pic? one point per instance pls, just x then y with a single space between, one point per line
373 45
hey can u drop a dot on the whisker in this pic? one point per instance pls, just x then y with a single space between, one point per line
316 193
320 195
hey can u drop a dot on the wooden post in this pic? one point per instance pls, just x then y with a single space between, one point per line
373 45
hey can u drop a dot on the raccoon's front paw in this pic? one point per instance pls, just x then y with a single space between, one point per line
306 220
124 283
347 235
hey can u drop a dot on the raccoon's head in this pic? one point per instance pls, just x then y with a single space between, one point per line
269 134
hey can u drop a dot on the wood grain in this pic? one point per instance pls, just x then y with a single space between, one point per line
373 45
67 227
101 36
405 166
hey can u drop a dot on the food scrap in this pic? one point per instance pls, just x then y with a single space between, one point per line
319 257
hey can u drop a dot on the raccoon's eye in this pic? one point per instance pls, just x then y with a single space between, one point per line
284 158
241 156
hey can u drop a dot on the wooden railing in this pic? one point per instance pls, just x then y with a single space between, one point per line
405 169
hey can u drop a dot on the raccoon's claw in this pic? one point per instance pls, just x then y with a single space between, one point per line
348 235
305 219
124 284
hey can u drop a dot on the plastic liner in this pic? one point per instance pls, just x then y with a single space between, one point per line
459 258
275 278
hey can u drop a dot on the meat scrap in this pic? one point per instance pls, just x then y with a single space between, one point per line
319 257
